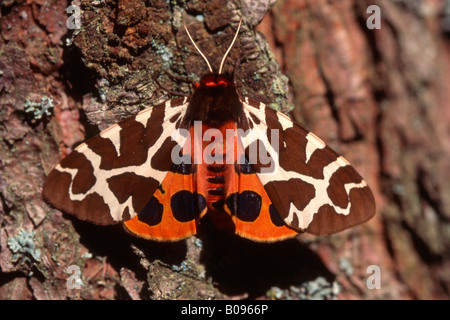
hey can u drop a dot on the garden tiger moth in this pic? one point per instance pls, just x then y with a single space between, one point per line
142 174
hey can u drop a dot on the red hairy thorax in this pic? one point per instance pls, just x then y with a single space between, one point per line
215 101
213 80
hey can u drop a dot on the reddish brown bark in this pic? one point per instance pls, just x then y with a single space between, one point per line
379 97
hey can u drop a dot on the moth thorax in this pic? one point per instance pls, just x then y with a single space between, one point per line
214 102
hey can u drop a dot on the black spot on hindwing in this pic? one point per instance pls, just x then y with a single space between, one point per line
246 206
275 217
152 212
187 206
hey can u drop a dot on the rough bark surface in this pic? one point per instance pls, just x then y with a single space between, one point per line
380 97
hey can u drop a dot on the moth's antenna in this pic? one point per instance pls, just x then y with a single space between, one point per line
229 48
201 53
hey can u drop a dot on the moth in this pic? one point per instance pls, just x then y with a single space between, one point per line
216 153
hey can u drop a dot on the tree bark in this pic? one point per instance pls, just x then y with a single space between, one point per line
377 96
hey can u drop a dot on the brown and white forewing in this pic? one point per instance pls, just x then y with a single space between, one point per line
313 188
112 176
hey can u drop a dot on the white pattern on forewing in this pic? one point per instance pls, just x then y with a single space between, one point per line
113 133
285 122
314 143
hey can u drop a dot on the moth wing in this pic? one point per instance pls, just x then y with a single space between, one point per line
245 200
112 176
312 188
253 213
174 210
